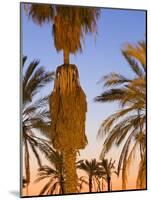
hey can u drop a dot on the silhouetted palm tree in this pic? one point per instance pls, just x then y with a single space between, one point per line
24 182
80 183
127 124
93 170
35 115
54 174
107 168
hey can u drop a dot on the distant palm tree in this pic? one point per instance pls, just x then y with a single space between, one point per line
35 115
93 170
54 174
81 181
70 24
107 168
127 124
24 182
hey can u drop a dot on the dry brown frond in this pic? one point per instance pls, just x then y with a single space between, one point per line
68 110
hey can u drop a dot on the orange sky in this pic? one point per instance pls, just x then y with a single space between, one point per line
34 188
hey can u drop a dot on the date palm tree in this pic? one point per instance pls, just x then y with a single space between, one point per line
127 124
93 170
53 173
107 168
35 115
69 25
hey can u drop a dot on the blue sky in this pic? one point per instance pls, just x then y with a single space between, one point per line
100 56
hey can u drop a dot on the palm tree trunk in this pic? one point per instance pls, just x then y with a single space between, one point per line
102 185
70 183
109 183
66 56
90 183
27 189
62 184
99 186
141 128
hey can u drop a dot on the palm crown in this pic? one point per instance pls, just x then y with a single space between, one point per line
93 170
107 167
69 24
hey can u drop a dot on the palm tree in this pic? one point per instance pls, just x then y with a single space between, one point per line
107 168
35 115
93 170
24 182
54 174
127 124
69 25
81 181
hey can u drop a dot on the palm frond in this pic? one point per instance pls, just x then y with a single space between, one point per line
41 13
137 51
29 72
24 60
38 81
45 188
77 22
53 188
110 95
141 177
35 153
114 79
27 164
133 64
123 161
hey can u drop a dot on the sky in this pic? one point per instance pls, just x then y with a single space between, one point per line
101 55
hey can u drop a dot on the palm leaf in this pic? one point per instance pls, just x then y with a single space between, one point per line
114 79
45 188
110 96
